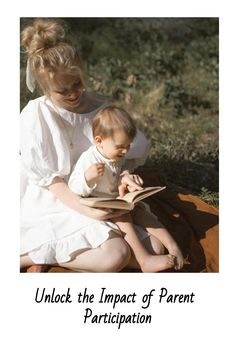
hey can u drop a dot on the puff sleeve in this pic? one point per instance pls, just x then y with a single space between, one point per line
44 153
77 182
138 152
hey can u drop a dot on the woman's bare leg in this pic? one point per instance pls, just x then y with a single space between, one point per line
111 256
26 261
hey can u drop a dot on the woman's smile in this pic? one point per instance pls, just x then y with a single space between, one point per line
73 101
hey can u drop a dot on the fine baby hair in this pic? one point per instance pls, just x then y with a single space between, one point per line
110 119
48 53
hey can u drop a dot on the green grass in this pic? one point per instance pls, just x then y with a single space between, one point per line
165 73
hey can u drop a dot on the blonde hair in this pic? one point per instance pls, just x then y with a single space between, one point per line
48 52
111 119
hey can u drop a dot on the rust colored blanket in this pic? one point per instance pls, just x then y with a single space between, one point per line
192 223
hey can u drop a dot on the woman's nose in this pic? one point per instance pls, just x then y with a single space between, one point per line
73 94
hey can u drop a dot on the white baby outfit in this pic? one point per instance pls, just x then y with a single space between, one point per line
106 185
51 231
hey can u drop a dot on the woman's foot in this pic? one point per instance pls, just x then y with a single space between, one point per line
157 263
38 268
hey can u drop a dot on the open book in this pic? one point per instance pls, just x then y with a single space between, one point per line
127 202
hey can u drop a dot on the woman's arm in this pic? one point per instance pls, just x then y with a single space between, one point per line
60 190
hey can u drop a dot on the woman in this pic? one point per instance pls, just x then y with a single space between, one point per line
55 130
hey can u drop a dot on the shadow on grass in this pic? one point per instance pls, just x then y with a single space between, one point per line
190 175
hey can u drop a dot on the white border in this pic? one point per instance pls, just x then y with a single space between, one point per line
31 327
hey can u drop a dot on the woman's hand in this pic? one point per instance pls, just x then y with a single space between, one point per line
60 190
103 214
129 183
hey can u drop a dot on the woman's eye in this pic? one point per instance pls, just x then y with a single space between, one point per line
77 85
61 92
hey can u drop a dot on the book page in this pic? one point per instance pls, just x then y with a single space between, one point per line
135 196
129 197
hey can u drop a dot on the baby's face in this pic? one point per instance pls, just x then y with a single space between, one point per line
115 147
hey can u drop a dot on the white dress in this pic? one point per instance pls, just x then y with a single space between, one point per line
51 231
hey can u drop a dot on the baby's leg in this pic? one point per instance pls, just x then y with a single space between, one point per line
153 226
147 262
153 245
141 216
111 256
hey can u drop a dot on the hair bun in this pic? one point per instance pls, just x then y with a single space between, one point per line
42 34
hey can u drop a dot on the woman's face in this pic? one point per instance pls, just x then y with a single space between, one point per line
65 91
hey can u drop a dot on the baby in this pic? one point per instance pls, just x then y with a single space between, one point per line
102 171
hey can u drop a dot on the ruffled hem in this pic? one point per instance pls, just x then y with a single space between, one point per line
60 251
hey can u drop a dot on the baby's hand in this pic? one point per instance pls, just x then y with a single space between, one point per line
94 172
130 183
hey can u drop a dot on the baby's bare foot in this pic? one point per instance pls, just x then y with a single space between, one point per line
157 263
